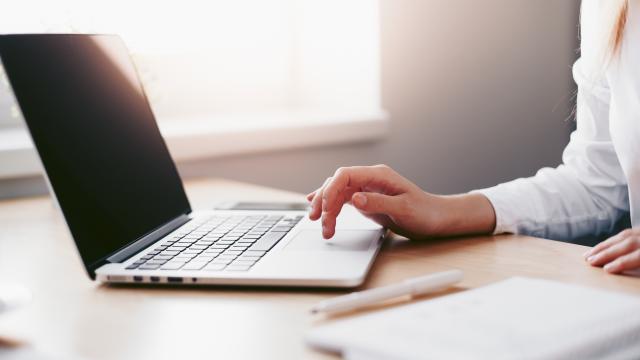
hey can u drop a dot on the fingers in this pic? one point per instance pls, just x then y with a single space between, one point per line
608 243
329 218
327 202
374 203
358 177
627 262
311 195
316 202
614 251
619 253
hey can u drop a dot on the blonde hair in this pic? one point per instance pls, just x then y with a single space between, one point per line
617 30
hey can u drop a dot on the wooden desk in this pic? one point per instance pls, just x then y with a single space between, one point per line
74 317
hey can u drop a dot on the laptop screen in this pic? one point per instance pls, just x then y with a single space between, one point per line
97 137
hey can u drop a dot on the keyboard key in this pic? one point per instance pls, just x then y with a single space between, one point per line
243 262
172 266
185 242
232 252
224 261
249 236
219 246
192 251
248 257
149 266
252 252
268 241
204 258
281 228
215 267
197 265
205 242
246 242
157 261
212 251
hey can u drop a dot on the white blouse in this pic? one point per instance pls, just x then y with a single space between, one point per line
599 180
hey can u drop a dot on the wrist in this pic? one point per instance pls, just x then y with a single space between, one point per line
462 214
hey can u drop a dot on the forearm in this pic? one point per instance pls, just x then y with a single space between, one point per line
463 214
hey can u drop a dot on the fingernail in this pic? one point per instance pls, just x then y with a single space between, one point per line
610 267
359 200
591 259
586 253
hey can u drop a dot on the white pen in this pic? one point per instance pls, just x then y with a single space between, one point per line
415 286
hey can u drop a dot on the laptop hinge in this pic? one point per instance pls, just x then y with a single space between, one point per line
148 239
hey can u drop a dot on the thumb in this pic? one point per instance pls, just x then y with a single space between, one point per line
375 203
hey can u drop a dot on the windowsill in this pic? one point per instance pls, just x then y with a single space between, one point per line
225 135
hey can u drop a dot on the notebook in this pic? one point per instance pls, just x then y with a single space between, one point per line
518 318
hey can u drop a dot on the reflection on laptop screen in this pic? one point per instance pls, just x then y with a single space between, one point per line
97 137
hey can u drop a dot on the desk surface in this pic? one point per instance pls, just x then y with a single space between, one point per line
76 318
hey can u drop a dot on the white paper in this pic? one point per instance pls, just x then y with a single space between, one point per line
519 318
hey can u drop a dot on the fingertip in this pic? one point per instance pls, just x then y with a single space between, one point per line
314 214
328 225
327 234
612 267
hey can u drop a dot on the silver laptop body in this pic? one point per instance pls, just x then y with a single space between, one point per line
300 258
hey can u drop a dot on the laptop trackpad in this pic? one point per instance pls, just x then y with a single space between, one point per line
343 240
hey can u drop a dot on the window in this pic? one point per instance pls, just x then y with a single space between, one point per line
213 68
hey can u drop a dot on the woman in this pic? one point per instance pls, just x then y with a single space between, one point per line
597 185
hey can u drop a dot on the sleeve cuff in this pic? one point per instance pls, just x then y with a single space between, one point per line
505 216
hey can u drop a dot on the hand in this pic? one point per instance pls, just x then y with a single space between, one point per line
618 253
396 203
379 193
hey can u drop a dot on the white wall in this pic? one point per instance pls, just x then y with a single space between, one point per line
478 93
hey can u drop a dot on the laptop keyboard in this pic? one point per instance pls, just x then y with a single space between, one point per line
231 243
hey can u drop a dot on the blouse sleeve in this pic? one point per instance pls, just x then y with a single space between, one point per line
587 194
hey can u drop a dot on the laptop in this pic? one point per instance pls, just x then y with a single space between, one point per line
122 198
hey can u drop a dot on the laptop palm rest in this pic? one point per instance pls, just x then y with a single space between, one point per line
343 240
